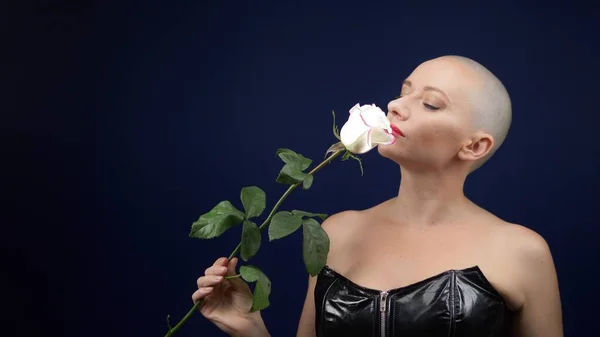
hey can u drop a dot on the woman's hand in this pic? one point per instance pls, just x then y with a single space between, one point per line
227 302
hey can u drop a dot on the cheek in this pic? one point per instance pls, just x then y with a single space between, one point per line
428 141
442 136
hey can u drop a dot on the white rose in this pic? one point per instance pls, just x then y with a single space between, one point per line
366 128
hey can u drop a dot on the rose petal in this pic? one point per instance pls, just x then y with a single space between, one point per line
380 136
374 117
361 145
353 129
355 108
367 127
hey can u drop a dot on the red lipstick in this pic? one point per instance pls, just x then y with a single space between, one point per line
396 132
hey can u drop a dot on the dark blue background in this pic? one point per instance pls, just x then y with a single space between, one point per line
123 122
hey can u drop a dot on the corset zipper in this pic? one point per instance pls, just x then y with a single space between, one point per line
383 311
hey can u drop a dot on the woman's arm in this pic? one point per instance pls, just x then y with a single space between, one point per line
541 314
306 326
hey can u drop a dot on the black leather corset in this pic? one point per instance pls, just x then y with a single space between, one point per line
459 303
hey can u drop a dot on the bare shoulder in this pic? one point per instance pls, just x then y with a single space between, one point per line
338 223
345 231
341 229
527 252
518 243
526 246
530 257
344 225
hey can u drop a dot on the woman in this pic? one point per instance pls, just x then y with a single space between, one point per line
428 262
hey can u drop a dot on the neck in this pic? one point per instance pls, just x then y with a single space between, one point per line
428 198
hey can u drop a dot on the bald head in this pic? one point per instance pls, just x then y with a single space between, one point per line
490 102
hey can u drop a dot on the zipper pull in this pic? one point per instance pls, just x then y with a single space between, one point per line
383 301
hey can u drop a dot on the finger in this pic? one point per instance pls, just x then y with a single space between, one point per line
231 267
209 280
237 282
222 261
215 270
201 293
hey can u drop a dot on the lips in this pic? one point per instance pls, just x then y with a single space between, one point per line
396 132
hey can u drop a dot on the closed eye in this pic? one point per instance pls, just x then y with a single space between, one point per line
430 107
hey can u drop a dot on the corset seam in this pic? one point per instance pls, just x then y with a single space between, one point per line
452 298
322 327
393 315
374 314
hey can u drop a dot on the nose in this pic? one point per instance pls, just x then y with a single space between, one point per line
398 110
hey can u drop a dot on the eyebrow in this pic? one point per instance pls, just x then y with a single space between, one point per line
427 87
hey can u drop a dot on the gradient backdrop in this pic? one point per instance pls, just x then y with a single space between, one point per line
123 122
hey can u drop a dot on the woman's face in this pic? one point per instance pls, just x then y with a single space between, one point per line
433 112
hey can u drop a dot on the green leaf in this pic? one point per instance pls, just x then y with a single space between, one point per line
323 216
251 273
307 182
315 246
214 223
283 224
262 289
253 200
290 157
291 174
251 239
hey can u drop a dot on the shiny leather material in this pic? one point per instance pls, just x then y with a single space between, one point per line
460 303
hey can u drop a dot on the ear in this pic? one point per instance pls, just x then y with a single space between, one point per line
477 147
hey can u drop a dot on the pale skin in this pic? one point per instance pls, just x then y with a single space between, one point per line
429 227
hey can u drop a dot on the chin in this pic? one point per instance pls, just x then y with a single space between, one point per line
390 152
399 155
